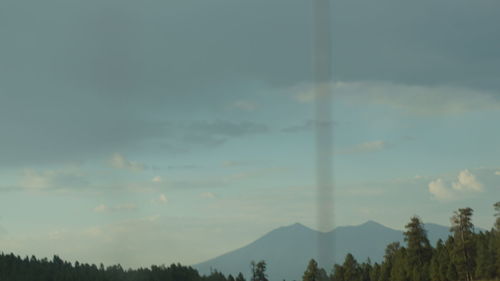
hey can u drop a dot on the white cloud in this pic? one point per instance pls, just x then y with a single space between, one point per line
163 199
233 164
208 195
371 146
124 207
245 105
467 181
465 184
101 208
119 161
439 190
308 93
70 177
157 179
421 100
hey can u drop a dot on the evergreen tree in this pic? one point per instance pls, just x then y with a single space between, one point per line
463 231
351 269
495 243
338 273
419 250
240 277
400 270
390 254
365 270
497 215
485 256
312 271
322 275
439 263
375 272
259 271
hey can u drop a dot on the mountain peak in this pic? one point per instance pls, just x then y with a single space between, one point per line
298 224
295 227
288 249
371 223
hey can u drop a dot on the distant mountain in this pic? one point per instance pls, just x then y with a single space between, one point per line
287 250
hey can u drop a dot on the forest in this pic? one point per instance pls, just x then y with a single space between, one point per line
466 255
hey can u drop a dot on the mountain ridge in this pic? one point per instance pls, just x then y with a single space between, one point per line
287 249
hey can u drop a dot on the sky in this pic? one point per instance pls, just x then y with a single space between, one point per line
152 132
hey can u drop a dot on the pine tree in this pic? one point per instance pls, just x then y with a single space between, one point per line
485 256
386 268
497 215
351 269
312 271
495 244
337 273
365 270
463 231
259 271
419 250
240 277
375 272
400 269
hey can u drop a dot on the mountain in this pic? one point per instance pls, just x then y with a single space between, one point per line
287 250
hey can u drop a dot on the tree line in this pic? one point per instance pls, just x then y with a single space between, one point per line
466 255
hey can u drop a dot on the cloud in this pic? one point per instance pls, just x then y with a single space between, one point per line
208 195
228 164
245 105
440 191
227 128
157 179
67 178
365 147
118 208
465 184
101 208
308 125
119 161
162 199
305 93
415 99
497 173
183 167
105 79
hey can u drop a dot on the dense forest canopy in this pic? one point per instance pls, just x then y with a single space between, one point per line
465 256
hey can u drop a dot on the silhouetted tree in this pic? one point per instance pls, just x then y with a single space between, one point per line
463 230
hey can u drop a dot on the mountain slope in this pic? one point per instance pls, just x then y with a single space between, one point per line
287 250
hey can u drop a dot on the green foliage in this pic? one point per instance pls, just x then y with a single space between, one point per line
338 273
419 250
352 270
497 215
259 271
463 253
312 271
464 256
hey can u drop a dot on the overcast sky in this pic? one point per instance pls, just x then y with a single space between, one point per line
150 132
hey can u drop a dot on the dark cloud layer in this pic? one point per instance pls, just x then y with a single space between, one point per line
80 78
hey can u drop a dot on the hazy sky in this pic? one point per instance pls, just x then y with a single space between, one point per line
146 132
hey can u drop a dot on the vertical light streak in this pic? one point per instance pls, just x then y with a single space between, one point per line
322 60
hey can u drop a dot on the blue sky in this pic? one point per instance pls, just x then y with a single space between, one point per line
159 132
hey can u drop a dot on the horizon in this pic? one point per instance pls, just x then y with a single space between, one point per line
154 132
